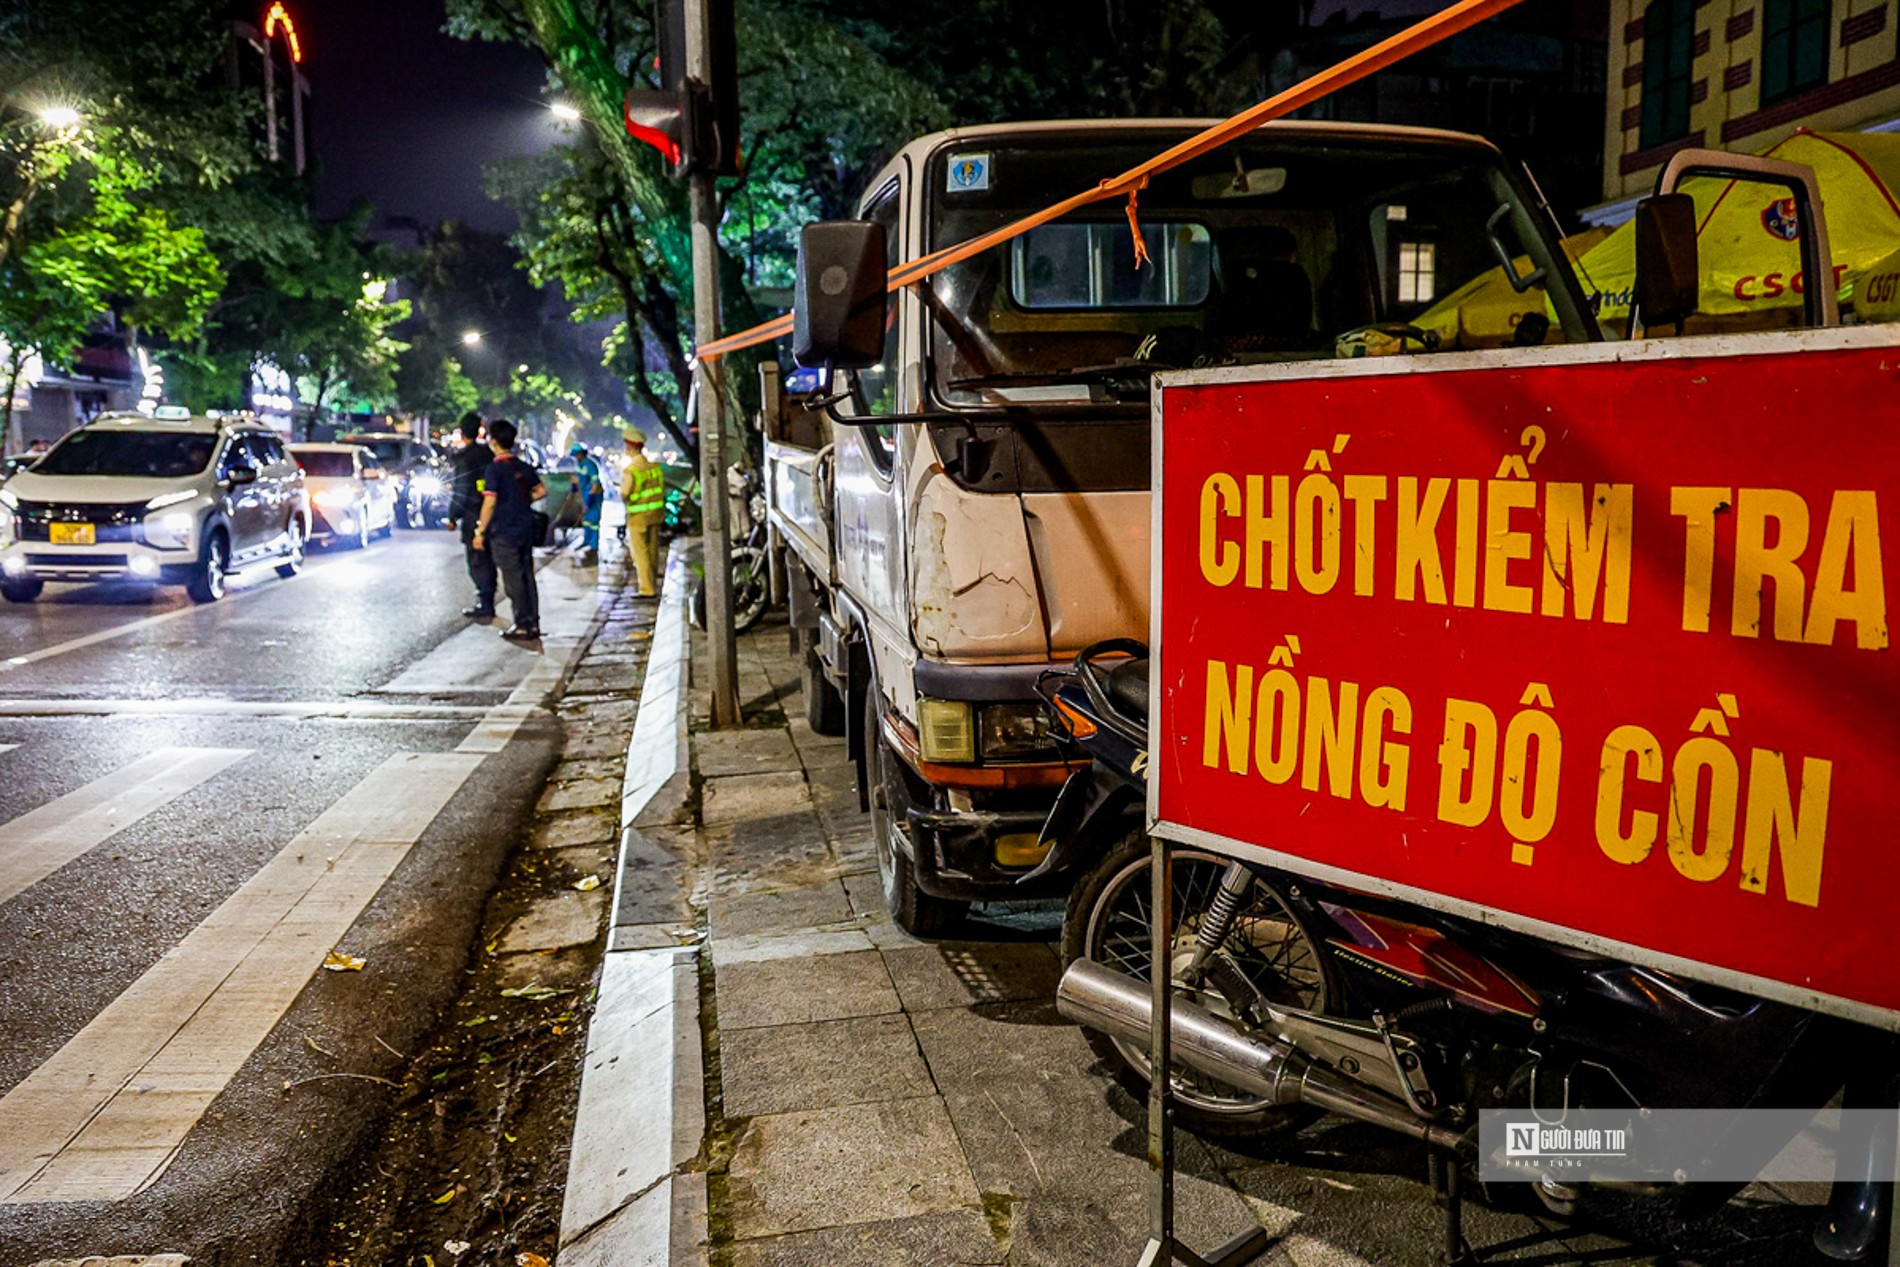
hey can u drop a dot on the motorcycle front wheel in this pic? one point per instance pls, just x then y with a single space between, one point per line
1107 922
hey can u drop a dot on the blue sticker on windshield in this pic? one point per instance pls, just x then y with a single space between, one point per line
969 173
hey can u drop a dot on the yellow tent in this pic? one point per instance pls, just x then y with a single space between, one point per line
1750 241
1875 294
1485 311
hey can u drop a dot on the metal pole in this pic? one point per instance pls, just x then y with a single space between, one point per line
717 539
1161 1247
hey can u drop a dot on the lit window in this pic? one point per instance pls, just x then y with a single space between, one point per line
1417 265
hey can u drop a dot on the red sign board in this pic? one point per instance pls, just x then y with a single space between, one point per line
1590 641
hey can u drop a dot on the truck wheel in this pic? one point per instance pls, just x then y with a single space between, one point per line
824 706
1107 922
207 579
916 912
22 591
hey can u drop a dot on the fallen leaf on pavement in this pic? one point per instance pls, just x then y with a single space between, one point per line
447 1197
588 883
478 1020
535 991
457 1248
337 961
530 1260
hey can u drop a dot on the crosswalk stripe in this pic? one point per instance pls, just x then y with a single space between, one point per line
102 1118
8 747
40 842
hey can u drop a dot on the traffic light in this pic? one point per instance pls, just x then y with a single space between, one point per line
694 124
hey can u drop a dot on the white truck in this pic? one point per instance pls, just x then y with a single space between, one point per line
963 486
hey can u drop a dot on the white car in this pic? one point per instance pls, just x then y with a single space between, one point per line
352 497
179 499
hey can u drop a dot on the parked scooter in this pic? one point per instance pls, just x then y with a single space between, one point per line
1295 996
751 561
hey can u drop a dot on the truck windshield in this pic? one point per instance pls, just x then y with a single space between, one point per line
1298 246
154 454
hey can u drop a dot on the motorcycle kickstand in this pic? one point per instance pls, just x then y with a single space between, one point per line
1445 1180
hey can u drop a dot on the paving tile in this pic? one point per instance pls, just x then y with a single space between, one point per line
611 767
789 1068
802 944
932 1240
737 797
724 752
596 742
780 910
580 794
797 1172
777 852
958 974
1039 1124
563 919
576 827
652 887
792 991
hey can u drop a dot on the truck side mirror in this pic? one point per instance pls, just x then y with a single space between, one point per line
840 301
1668 271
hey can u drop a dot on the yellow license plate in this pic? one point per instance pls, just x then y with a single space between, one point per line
72 534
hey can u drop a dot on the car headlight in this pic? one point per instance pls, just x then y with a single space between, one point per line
335 498
170 499
944 730
1015 732
427 485
171 530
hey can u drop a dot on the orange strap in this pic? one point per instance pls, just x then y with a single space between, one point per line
1134 224
1420 35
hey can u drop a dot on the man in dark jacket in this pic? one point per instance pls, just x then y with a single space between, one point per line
510 488
468 465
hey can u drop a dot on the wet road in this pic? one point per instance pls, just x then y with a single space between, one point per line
197 805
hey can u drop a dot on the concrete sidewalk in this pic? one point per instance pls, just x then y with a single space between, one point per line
777 1076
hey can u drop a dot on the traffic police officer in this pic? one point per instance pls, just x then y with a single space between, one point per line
643 490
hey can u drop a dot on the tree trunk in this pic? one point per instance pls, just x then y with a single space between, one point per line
15 365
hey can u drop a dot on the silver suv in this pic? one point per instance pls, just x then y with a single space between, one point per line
180 500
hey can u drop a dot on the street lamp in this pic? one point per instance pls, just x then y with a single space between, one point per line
61 118
471 337
564 111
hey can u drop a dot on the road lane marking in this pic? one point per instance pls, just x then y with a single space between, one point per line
373 710
95 638
40 842
102 1118
7 747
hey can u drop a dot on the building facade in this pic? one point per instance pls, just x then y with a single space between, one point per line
1739 75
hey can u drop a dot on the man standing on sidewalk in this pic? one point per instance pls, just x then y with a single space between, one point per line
593 493
466 468
643 490
506 529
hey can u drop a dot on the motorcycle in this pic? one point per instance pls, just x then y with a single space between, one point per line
751 557
1295 996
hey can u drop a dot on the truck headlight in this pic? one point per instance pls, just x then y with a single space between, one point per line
1015 732
945 731
426 486
171 530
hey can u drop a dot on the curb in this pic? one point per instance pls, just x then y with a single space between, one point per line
633 1198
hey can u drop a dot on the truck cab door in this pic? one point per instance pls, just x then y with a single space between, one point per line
869 484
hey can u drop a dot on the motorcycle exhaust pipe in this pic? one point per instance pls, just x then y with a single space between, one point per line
1121 1006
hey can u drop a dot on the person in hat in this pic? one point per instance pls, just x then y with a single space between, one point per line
643 490
593 494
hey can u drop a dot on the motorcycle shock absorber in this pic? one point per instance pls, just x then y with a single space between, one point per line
1211 935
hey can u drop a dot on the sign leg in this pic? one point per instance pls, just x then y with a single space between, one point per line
1163 1250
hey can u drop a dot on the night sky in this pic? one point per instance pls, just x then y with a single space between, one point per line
406 116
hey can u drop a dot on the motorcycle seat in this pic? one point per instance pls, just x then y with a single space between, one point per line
1128 688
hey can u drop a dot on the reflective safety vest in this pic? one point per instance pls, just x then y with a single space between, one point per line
649 490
